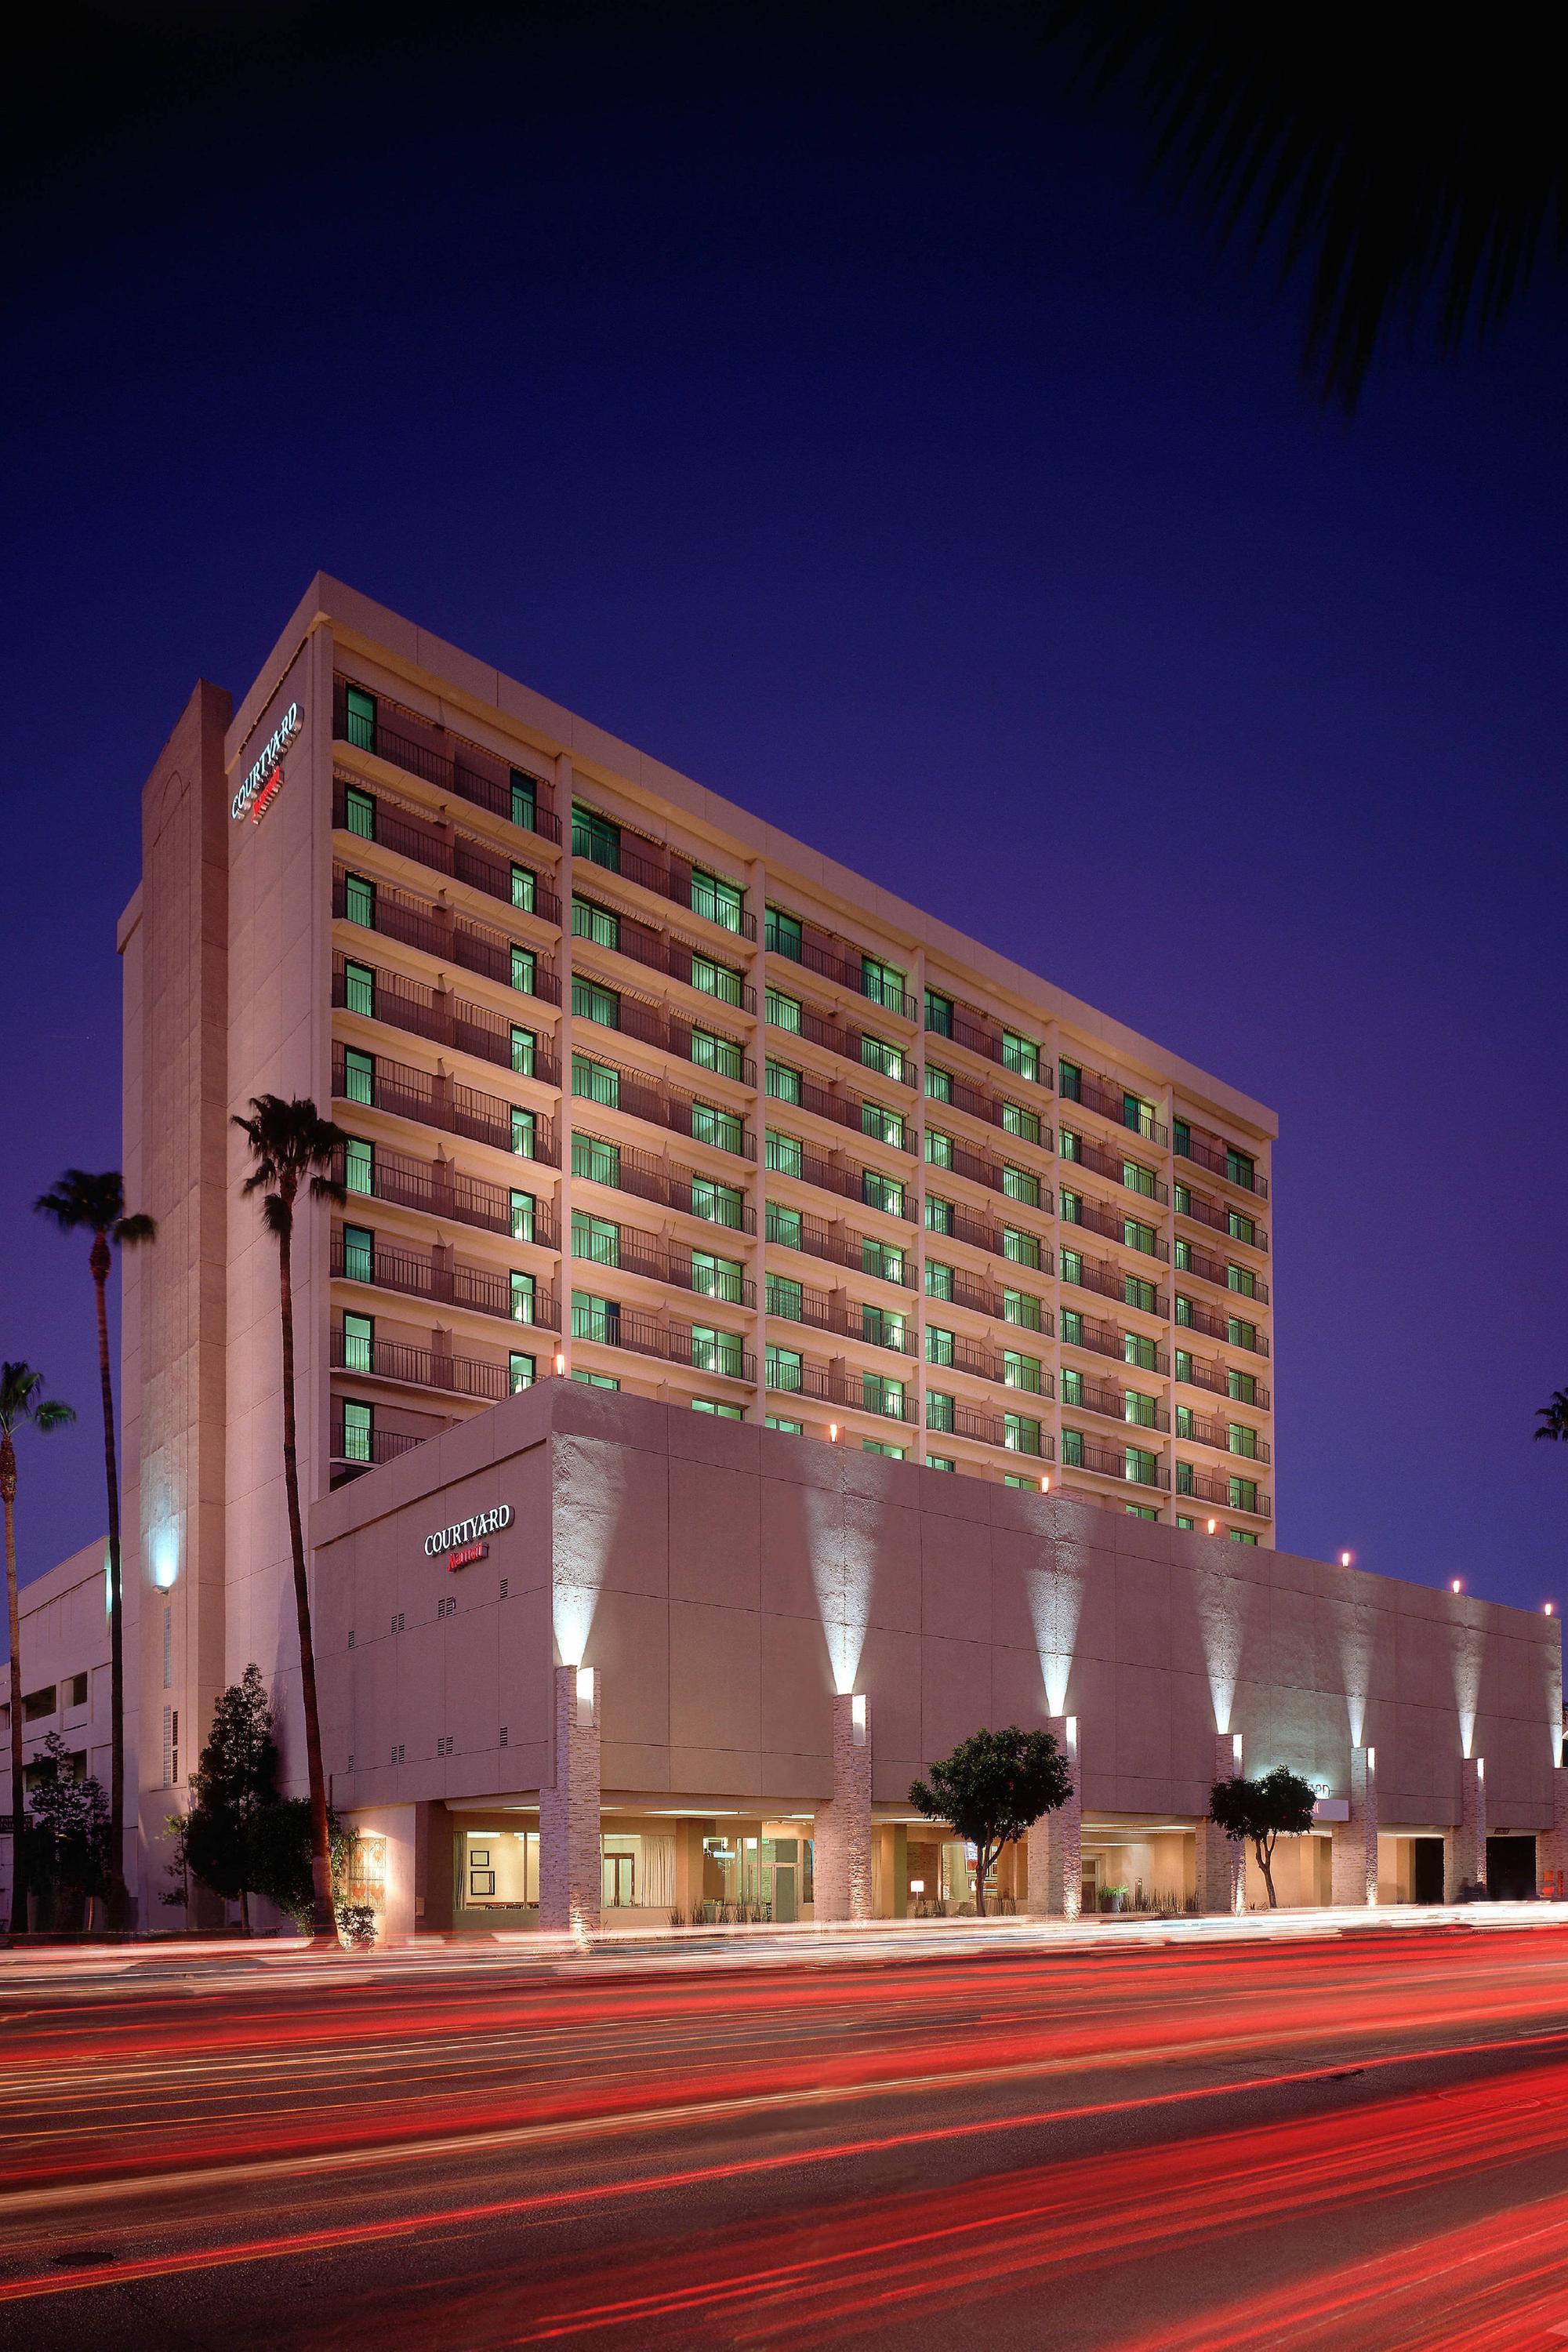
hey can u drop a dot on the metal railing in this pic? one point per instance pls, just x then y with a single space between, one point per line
440 1102
1093 1217
831 962
637 858
1106 1463
631 1252
1199 1317
1211 1151
407 740
459 855
617 934
623 1168
984 1298
837 1246
416 1367
1108 1281
1087 1153
1217 1432
856 1393
1108 1339
1217 1380
1214 1486
442 1019
374 1446
451 1282
654 1025
1218 1217
450 938
722 1357
1109 1100
612 1087
1215 1270
1092 1396
442 1190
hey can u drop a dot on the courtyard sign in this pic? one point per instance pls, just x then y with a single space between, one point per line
264 777
463 1543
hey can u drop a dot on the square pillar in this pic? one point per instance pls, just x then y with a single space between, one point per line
842 1829
571 1877
1552 1846
1465 1849
1056 1840
1222 1861
1354 1870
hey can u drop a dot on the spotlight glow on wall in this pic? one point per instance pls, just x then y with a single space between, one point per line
165 1551
1345 1559
1457 1585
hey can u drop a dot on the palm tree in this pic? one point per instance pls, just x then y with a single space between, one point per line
83 1203
1553 1417
292 1146
23 1404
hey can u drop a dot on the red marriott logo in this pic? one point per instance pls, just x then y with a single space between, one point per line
465 1558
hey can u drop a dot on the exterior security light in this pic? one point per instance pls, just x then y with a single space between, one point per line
1345 1559
833 1433
1457 1585
1044 1486
560 1361
1213 1524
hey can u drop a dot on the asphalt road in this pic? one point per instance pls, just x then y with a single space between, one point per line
1352 2140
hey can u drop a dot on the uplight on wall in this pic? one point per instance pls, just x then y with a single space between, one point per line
1213 1524
560 1361
833 1433
1552 1609
1044 1486
1457 1585
1345 1559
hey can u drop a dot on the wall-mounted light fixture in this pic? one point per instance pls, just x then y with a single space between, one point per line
1345 1559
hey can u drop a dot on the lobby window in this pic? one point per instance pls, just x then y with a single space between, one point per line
359 1254
1019 1434
596 1380
938 1084
716 979
939 1014
1241 1387
721 902
359 1431
880 1329
524 1046
595 1318
1240 1169
524 801
880 1395
941 1462
717 1351
1240 1334
600 925
785 1154
1072 1385
939 1279
519 1372
721 1128
524 883
1139 1409
1138 1294
1069 1207
1019 1184
781 934
359 989
359 1342
1072 1327
1242 1534
1020 1371
1141 1466
878 1054
361 719
939 1345
941 1215
1072 1265
358 899
1020 1306
524 970
719 1411
1243 1494
594 1081
883 1126
359 1165
1139 1236
1023 1249
359 812
1138 1179
597 839
1021 1055
786 1428
599 1162
879 1192
1241 1278
524 1133
783 1368
359 1076
592 1003
879 1446
719 1054
885 1260
1025 1124
939 1148
1072 1449
520 1216
882 983
782 1012
785 1298
1240 1228
783 1226
718 1278
721 1205
1242 1439
522 1297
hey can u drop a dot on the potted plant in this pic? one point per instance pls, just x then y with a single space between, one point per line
1113 1898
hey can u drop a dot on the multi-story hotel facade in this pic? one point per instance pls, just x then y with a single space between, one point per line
642 1096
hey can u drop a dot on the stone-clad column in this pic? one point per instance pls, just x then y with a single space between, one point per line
1354 1842
1056 1840
841 1867
1465 1849
1552 1846
570 1878
1222 1861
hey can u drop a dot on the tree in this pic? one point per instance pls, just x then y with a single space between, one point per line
71 1836
285 1861
235 1782
78 1203
991 1789
23 1405
1279 1805
1553 1417
292 1146
1412 167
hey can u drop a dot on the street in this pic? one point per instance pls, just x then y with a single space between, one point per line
1348 2138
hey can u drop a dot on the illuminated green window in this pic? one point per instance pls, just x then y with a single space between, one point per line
523 1298
1072 1265
359 1165
359 1342
1183 1421
1071 1081
939 1148
1241 1387
941 1413
1184 1522
359 1253
1141 1466
362 719
1021 1307
941 1215
719 1054
359 1076
1184 1473
1024 1249
717 1351
1140 1510
359 989
882 983
1020 1371
721 902
785 1298
1138 1294
595 1081
1242 1439
1240 1228
524 884
524 801
595 1318
939 1014
716 979
719 1204
786 1154
719 1411
1072 1327
1241 1278
879 1446
782 1012
783 1082
1069 1207
880 1395
879 1192
1181 1138
1183 1309
520 1216
783 1225
524 1046
1138 1350
592 1003
880 1329
718 1278
359 1431
359 813
939 1279
1240 1334
781 934
1241 1535
1137 1178
786 1428
597 838
524 970
882 1125
524 1133
1018 1184
598 1239
595 1380
1183 1261
938 1084
883 1259
721 1128
1072 1385
1072 1449
1140 1409
783 1368
941 1462
1243 1494
1069 1145
939 1345
358 899
1016 1121
1182 1196
1240 1169
1022 1056
599 924
1019 1434
1139 1236
1184 1364
878 1054
594 1158
520 1372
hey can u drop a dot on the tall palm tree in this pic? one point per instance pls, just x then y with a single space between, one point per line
1553 1417
292 1147
83 1203
23 1405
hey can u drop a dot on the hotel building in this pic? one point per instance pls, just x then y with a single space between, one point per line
658 1120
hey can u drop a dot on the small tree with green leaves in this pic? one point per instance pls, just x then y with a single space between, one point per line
233 1785
70 1831
1278 1804
993 1788
282 1859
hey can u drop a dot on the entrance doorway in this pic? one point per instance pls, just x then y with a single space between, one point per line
1510 1868
1426 1870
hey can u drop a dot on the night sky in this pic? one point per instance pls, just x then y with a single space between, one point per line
830 407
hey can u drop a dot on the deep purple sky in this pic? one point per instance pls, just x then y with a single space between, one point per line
837 416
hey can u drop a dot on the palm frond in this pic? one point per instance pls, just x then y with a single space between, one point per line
82 1202
22 1401
131 1232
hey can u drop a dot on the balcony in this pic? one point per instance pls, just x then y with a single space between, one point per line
1094 1217
441 1018
1219 1219
484 1377
831 958
1204 1431
440 1102
611 1086
665 951
424 748
980 1103
977 1168
636 1253
1083 1395
978 1032
1113 1165
1224 1492
1025 1438
856 1392
840 1245
1109 1099
642 1335
867 1187
836 1311
1108 1339
958 1224
439 1189
984 1363
964 1289
889 1064
615 848
842 1108
409 834
373 1447
1205 1149
1216 1379
1106 1461
437 931
1193 1260
442 1281
1196 1316
655 1024
1108 1281
622 1169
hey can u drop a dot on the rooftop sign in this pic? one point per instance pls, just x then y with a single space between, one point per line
263 779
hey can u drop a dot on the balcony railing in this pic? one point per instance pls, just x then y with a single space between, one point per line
630 1251
664 951
1215 1270
372 1447
1214 1486
977 1033
1217 1432
865 1186
451 939
977 1168
1092 1216
979 1102
647 863
1211 1151
835 1310
1026 1438
1109 1100
1108 1281
722 1357
840 1245
1113 1165
1218 1217
1108 1339
440 1102
1093 1396
1200 1316
858 1393
410 836
965 1225
835 959
612 1087
1107 1462
984 1363
419 1367
439 1189
1217 1380
424 748
654 1025
846 1109
984 1298
443 1019
622 1169
449 1284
